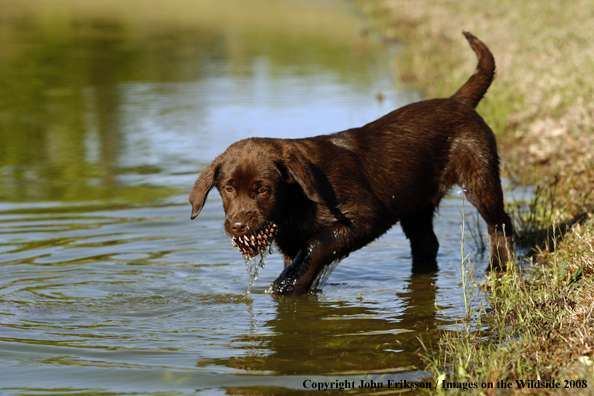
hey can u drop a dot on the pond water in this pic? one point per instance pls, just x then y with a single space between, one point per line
108 112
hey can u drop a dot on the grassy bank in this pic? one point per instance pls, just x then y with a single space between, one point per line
541 106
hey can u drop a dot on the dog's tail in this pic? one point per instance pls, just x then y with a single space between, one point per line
475 88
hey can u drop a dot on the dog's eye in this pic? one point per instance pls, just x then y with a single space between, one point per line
261 190
229 189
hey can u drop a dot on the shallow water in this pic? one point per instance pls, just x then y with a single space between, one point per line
107 115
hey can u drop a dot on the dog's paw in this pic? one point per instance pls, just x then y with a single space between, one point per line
284 287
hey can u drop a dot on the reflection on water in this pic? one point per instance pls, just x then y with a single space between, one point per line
108 111
93 107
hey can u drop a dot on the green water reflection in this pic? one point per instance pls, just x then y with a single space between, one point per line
64 67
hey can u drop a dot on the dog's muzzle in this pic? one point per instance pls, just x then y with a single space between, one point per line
251 244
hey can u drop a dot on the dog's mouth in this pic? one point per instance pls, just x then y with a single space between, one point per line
251 244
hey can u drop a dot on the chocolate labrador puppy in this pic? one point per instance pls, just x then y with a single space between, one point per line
321 198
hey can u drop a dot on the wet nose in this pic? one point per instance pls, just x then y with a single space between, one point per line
239 227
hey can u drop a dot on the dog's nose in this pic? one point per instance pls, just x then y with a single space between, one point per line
239 227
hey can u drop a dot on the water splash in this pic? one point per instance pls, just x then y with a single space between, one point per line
253 265
324 274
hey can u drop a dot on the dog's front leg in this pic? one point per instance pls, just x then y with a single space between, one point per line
322 249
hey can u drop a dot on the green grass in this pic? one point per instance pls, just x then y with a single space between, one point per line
538 325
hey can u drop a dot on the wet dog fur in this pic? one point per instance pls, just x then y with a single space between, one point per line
332 194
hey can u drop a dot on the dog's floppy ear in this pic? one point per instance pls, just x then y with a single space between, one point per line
301 171
203 185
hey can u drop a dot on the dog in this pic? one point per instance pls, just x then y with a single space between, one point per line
322 197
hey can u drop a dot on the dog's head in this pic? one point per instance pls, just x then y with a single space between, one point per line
253 177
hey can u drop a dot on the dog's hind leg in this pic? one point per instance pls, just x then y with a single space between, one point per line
418 228
487 196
